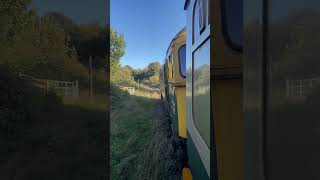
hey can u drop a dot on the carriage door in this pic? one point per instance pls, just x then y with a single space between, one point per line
198 123
292 90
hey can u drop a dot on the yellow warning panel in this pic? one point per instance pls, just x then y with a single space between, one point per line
186 174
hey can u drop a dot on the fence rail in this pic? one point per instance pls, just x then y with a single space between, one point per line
301 87
131 90
63 88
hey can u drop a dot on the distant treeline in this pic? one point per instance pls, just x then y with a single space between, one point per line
49 46
149 73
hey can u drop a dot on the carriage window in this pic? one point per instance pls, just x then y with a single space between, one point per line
166 70
208 10
182 60
199 18
202 15
201 90
233 22
172 66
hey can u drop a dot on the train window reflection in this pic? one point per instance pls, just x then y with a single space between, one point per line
202 14
233 22
182 60
199 18
201 91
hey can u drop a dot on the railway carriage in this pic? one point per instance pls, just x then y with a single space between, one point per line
173 90
282 89
215 125
252 105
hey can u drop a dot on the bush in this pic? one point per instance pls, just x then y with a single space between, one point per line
19 100
117 96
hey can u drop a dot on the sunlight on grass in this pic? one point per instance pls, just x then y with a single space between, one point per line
95 102
131 131
147 95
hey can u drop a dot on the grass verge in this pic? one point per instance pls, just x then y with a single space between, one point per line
131 128
140 140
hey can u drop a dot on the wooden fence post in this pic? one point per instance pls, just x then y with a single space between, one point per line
66 88
47 89
73 88
288 87
77 88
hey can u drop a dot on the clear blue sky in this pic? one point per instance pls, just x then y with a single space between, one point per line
148 27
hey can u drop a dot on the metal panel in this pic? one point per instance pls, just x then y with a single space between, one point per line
292 126
226 65
253 88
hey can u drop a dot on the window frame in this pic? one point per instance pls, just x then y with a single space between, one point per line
201 7
192 94
200 144
172 65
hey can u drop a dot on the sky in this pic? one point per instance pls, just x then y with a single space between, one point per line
80 11
148 27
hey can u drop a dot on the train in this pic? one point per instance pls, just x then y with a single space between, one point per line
173 91
252 90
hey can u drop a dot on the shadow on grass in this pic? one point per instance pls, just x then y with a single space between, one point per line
65 142
42 138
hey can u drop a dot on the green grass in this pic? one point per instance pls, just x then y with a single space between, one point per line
46 137
131 131
97 101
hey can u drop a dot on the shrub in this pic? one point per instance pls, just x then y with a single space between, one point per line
117 96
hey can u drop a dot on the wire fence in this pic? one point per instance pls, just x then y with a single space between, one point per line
62 88
131 90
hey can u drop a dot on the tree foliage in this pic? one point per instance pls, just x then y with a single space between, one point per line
117 50
50 46
153 69
151 72
88 40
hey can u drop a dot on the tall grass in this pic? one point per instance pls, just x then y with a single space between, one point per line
43 135
131 128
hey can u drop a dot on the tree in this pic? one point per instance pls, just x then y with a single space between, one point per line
117 50
37 45
153 69
128 67
88 40
14 19
150 72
